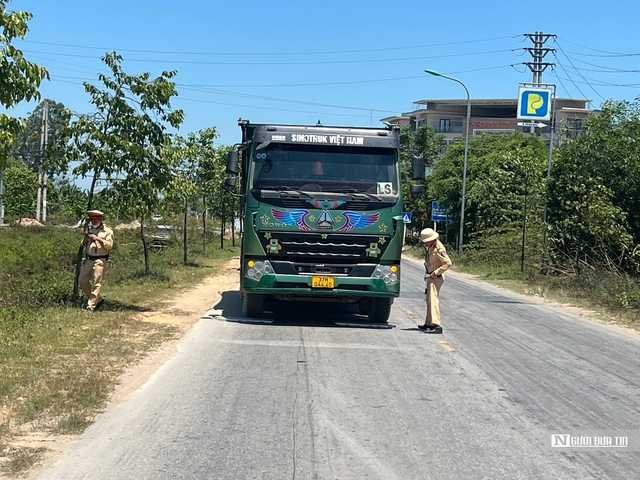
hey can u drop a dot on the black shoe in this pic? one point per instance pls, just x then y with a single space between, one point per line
423 327
99 304
433 329
90 310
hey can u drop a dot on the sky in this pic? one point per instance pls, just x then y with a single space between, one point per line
343 62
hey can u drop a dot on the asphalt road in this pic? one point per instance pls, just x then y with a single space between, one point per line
300 397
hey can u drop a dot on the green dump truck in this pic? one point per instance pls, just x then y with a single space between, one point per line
322 215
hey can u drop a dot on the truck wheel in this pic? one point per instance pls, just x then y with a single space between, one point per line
252 305
379 310
363 307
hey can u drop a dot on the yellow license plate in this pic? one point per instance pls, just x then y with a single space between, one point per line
322 282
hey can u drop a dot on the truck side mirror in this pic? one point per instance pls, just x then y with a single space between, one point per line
417 168
417 190
230 182
232 162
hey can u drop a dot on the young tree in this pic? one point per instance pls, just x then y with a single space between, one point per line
123 141
182 187
221 201
207 173
19 80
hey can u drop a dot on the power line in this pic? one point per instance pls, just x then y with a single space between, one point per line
614 55
323 62
313 84
268 108
284 100
179 97
597 50
610 69
571 80
579 73
592 81
237 54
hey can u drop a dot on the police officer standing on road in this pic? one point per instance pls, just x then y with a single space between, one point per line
98 241
435 263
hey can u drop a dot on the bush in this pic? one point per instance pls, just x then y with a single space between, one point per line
37 266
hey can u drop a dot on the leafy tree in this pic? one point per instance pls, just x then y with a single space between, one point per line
200 177
20 186
222 203
124 139
505 183
67 200
19 80
127 132
594 208
182 188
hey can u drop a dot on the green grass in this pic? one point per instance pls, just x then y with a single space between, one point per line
58 363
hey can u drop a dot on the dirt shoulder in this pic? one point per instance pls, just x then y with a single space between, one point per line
182 311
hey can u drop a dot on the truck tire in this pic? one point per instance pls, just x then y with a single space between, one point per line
379 310
363 307
252 305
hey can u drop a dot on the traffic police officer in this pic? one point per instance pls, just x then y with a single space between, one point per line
98 241
436 263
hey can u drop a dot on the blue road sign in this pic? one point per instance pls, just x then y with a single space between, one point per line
534 103
406 217
438 214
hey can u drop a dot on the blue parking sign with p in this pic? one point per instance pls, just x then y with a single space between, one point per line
534 103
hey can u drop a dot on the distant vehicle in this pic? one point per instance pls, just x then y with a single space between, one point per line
156 217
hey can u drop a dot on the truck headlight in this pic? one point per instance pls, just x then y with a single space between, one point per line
255 270
388 274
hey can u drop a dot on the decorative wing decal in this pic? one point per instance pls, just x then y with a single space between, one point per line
326 204
358 220
292 217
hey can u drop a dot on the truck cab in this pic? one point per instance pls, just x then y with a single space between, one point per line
322 215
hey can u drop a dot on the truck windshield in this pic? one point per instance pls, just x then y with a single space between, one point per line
326 169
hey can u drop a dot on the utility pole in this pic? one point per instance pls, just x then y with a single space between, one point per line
46 175
538 52
41 197
1 192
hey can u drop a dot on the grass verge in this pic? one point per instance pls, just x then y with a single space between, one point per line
612 299
59 363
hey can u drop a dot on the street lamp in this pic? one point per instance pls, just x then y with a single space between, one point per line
466 151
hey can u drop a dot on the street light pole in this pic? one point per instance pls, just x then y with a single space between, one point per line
466 152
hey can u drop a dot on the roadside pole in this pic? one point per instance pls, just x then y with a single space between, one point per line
1 191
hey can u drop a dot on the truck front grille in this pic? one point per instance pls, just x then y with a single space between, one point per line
313 248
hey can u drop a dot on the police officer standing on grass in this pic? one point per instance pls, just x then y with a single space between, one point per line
98 241
435 263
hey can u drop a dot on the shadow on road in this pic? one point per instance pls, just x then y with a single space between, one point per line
303 314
